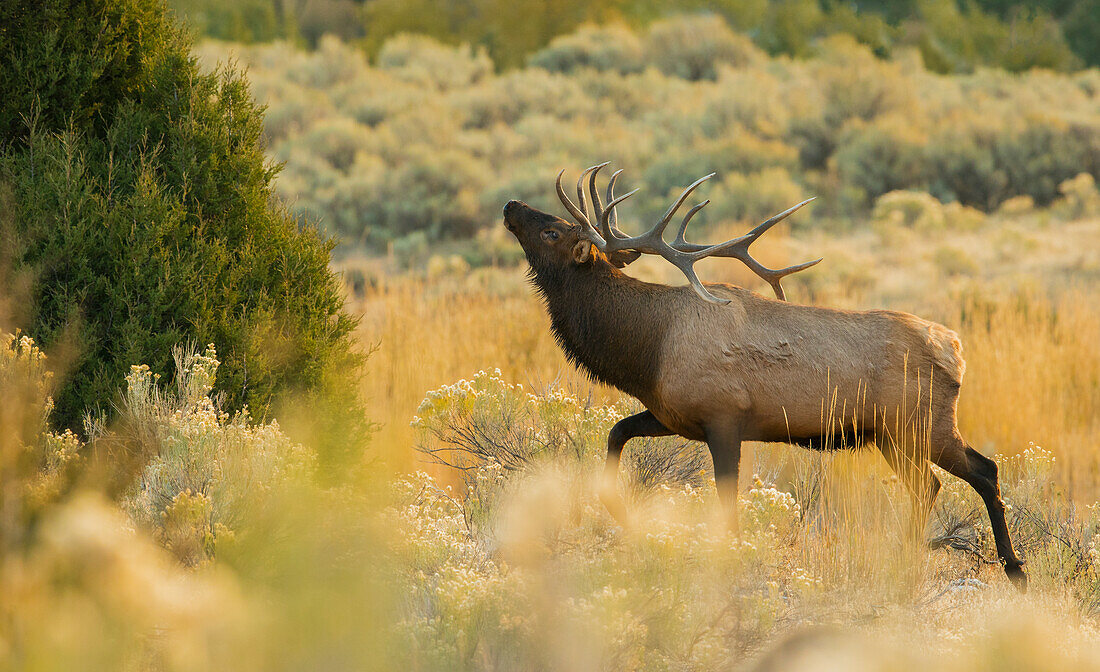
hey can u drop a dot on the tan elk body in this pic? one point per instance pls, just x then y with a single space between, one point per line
721 364
796 374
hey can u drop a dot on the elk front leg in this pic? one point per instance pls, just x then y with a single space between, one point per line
959 459
725 451
641 424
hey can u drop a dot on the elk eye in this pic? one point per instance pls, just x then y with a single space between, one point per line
550 234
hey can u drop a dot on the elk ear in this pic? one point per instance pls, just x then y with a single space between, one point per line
582 251
621 258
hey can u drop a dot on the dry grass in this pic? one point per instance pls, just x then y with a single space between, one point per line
430 334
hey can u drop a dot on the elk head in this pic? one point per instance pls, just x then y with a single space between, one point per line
551 242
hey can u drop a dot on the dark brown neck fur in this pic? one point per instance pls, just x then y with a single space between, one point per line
609 324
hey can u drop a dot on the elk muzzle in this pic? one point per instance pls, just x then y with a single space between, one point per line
512 215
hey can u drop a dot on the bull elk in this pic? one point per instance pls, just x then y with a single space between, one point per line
721 364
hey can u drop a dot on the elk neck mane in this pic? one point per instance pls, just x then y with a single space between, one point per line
610 325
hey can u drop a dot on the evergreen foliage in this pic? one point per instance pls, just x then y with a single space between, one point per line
139 202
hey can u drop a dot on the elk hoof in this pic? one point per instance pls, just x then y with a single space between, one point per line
615 506
1018 578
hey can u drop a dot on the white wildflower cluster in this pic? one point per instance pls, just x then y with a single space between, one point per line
460 396
203 456
429 525
1037 463
768 510
1033 466
609 615
956 497
802 579
484 491
460 596
684 540
1092 552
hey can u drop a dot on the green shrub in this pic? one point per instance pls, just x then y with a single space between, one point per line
953 261
425 62
909 209
317 18
1080 198
615 48
963 166
693 47
856 85
240 20
1016 206
438 196
75 63
1040 155
959 217
882 157
143 206
956 40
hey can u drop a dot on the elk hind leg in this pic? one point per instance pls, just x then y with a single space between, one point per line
640 424
724 443
957 458
915 471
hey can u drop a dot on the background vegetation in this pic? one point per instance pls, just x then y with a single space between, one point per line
952 36
425 144
184 532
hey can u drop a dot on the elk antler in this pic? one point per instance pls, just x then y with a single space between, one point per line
680 253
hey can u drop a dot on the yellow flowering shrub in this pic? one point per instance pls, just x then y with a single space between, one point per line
207 466
37 465
487 420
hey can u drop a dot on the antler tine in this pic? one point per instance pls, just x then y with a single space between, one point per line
759 230
580 191
617 242
770 275
577 213
680 239
612 230
655 236
597 205
680 201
